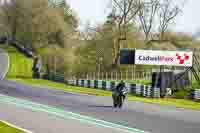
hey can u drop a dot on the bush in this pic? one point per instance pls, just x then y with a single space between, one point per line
195 85
183 93
180 94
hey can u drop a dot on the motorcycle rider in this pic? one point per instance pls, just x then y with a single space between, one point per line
118 91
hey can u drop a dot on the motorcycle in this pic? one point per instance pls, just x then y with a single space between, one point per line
119 98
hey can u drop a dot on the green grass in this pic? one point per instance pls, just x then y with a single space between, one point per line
4 128
178 103
20 66
195 84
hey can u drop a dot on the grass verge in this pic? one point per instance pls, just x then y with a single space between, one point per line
20 66
4 128
178 103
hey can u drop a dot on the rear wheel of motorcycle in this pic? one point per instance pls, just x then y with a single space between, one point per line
120 102
115 105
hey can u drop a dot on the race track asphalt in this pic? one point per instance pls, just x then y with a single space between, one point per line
3 64
40 122
147 117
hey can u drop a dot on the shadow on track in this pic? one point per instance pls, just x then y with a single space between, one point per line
99 106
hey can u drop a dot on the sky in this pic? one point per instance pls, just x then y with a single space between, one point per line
95 11
90 10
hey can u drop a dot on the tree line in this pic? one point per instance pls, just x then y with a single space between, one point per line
50 27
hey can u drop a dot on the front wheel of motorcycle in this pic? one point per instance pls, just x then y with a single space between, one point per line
114 101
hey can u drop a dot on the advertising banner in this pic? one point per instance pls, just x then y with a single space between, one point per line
169 58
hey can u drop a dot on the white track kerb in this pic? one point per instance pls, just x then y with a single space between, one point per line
66 115
16 127
8 64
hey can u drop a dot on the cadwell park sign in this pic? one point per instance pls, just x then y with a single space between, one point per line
157 57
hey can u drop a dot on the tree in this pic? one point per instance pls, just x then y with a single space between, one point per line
51 23
147 16
163 12
85 58
69 16
123 13
100 46
167 14
43 24
38 22
16 16
55 59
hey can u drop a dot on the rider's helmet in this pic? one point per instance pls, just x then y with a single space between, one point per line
122 83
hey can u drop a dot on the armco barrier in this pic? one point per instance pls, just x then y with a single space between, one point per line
85 83
96 84
71 82
197 94
88 83
92 84
149 91
21 48
82 83
140 90
104 85
79 82
74 83
133 88
57 77
156 92
100 84
108 85
143 90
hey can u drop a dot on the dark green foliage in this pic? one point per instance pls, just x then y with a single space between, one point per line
183 93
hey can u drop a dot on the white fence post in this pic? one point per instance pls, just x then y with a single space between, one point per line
54 64
133 72
127 75
98 76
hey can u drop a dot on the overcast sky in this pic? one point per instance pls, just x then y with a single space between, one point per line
95 12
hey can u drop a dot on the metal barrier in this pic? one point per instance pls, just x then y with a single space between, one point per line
197 94
137 89
57 77
140 90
